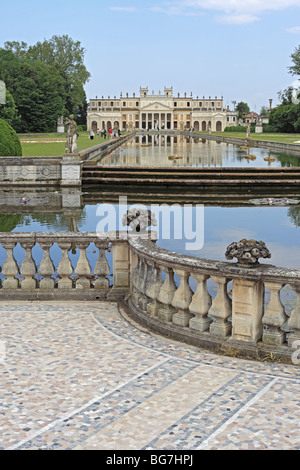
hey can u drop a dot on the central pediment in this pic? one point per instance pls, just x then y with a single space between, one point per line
156 107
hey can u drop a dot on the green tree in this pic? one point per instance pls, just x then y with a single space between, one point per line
19 49
242 108
67 57
264 111
38 91
295 56
8 111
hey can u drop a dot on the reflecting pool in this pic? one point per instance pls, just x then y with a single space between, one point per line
181 151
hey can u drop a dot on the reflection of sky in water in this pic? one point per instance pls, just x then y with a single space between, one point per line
222 226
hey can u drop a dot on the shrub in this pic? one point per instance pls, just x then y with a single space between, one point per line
268 128
10 144
82 127
235 129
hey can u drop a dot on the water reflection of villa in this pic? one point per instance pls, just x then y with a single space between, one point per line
162 111
168 151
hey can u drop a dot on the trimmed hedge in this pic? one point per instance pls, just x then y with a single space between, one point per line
10 145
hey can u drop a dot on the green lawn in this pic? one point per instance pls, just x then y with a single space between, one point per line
46 145
286 138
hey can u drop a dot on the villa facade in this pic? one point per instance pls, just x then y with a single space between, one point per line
162 111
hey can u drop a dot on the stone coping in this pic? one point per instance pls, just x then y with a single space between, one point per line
266 272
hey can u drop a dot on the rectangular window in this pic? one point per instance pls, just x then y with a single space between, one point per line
137 103
112 103
188 104
99 104
124 104
175 104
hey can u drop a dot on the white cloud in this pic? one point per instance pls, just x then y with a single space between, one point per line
124 9
294 30
231 11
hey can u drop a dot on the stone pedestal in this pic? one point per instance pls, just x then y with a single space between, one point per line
71 170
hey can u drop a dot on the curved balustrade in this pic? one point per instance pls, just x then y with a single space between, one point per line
248 315
204 302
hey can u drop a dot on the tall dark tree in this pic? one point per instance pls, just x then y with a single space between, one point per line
67 57
295 56
242 108
38 91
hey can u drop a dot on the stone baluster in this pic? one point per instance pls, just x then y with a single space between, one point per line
294 321
28 269
153 290
166 295
10 267
65 267
145 281
200 304
182 299
135 277
46 269
221 308
101 268
274 317
83 268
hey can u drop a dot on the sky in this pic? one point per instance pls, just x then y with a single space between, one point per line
238 49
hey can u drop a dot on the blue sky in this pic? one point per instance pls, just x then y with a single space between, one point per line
238 49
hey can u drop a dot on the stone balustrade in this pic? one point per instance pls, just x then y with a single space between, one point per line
246 313
206 303
62 265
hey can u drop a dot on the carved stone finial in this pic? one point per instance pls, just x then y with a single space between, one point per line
139 220
247 252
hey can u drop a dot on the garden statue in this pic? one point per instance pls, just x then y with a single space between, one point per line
248 128
72 135
138 219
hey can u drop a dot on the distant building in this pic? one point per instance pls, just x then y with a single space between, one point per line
162 111
250 117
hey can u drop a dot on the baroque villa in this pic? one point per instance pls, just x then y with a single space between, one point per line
162 111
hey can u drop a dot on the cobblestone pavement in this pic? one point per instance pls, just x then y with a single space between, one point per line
79 376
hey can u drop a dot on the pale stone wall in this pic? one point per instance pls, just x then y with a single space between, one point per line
162 110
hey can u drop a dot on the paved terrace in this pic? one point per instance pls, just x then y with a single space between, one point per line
81 376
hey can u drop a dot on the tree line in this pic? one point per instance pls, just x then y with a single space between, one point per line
286 116
42 82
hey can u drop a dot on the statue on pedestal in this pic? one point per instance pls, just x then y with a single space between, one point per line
248 130
72 135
